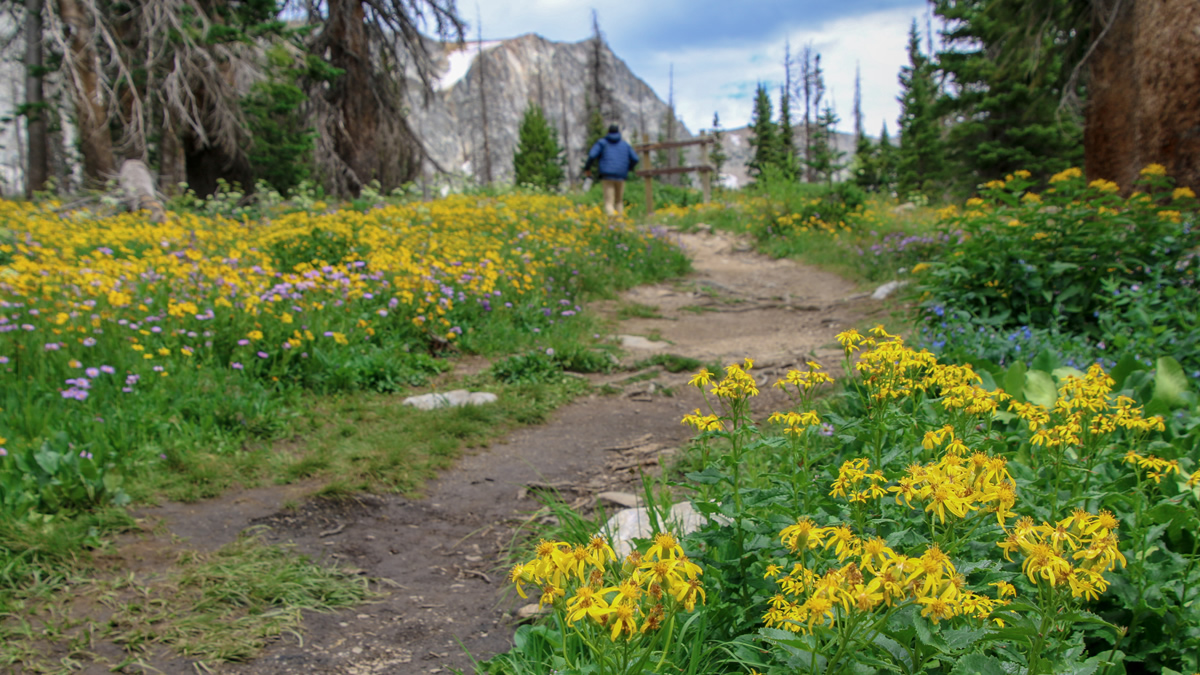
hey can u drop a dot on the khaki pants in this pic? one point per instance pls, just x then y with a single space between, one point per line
614 197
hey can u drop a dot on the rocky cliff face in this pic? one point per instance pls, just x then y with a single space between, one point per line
516 72
554 75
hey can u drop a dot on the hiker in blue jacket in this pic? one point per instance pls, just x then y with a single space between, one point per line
616 159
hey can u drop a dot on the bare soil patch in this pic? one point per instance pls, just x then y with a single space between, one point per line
437 559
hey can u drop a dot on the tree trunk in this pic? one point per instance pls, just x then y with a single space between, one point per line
353 94
91 110
37 171
171 170
1143 106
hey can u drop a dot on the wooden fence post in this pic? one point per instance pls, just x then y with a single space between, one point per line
705 174
649 195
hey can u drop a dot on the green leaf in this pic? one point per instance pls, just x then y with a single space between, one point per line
1040 388
1060 373
961 638
1170 384
978 664
48 460
1014 380
1045 362
1124 367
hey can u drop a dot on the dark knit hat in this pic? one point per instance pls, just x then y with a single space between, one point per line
612 129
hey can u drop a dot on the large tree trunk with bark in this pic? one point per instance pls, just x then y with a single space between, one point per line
37 170
1144 92
356 139
91 109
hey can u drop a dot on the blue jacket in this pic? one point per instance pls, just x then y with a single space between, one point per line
617 158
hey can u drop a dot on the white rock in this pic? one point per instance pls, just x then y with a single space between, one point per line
628 524
887 289
450 399
619 498
904 208
639 342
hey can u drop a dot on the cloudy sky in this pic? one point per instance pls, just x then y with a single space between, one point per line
721 50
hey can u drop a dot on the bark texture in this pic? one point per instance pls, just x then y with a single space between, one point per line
91 113
37 169
1144 93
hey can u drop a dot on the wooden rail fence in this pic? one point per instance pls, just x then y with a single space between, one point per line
703 168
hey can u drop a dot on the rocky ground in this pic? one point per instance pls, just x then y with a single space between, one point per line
437 560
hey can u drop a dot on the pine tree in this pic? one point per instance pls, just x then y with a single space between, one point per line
764 137
1007 99
789 164
826 159
538 159
885 161
717 156
920 165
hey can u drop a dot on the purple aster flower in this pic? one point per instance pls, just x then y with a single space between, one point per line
236 366
89 342
92 372
263 355
107 370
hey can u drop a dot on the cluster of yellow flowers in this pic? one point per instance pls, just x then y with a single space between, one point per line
425 257
1084 410
737 383
958 484
1077 550
879 578
648 589
891 370
852 473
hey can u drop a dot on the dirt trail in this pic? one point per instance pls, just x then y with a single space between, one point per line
438 556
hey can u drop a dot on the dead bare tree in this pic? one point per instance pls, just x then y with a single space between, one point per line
481 62
152 66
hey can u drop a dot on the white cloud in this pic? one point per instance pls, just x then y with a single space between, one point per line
723 79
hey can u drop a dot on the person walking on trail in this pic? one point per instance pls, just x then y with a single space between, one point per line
616 159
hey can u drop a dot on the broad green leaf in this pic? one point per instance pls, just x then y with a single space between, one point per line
1124 367
1040 388
1014 380
48 460
961 638
978 664
1060 373
1045 362
1170 384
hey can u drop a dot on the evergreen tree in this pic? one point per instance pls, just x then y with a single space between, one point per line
1006 100
826 159
789 164
538 158
281 146
866 164
920 162
885 161
764 137
717 156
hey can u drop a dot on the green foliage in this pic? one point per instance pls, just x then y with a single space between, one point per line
920 161
538 159
1005 96
825 160
717 156
281 145
529 368
1055 259
764 135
